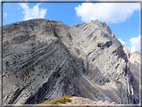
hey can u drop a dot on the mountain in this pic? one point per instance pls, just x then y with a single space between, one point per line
45 59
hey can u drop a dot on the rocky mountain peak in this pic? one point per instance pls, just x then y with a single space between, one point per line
45 59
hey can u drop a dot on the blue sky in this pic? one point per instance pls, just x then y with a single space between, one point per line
123 19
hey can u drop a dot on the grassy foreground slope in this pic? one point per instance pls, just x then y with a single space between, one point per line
61 100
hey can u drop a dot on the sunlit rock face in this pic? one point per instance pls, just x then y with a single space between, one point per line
45 59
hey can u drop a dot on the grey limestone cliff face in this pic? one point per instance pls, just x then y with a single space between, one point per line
45 59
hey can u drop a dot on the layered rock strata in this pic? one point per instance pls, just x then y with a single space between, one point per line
45 59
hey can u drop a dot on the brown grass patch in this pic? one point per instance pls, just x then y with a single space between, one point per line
61 100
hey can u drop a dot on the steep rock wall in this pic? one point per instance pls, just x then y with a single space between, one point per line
45 59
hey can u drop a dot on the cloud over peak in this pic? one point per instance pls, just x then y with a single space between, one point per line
35 12
108 12
135 42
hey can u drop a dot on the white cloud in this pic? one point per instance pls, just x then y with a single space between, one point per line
5 14
135 42
122 41
129 48
108 12
35 12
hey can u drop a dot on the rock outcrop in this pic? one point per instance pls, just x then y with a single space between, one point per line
45 59
78 101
